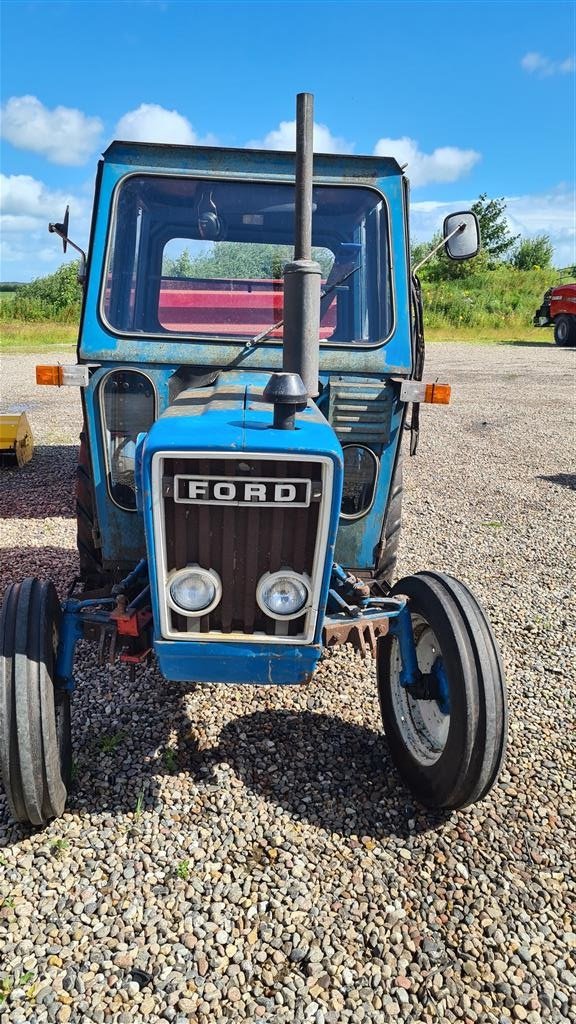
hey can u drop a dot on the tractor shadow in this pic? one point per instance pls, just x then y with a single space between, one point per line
44 487
562 479
330 773
121 730
321 770
529 344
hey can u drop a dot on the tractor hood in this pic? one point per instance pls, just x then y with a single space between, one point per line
233 417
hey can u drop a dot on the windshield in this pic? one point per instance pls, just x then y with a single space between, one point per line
205 259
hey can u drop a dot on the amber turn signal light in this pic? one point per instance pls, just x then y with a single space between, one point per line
50 375
437 394
418 391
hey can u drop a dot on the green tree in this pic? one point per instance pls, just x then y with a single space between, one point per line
60 288
419 251
494 232
532 253
56 296
236 260
181 266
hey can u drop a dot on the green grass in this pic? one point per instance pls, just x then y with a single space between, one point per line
7 985
109 742
19 337
183 869
491 336
58 848
37 336
139 808
170 760
496 304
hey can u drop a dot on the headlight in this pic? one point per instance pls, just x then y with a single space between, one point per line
194 590
360 476
283 594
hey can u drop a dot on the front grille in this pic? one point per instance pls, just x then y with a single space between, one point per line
241 543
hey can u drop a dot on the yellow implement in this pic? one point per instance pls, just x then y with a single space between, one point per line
16 441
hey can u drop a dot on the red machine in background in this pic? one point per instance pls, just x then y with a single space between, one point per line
559 309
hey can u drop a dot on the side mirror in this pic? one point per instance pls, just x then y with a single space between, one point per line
461 235
62 231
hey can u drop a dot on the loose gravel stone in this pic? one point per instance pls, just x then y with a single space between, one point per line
273 867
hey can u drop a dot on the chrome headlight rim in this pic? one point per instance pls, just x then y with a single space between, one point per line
269 577
190 570
377 464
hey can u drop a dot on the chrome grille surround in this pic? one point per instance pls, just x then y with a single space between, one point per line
202 628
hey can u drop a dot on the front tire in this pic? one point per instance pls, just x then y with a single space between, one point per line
35 738
90 556
387 555
565 330
449 752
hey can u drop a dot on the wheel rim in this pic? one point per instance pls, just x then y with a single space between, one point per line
422 723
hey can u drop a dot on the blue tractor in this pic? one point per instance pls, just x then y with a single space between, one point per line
250 356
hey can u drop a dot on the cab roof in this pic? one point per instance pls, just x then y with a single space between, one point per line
219 161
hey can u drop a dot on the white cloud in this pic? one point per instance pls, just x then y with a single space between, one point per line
284 138
152 123
63 135
26 207
552 213
537 64
447 163
24 196
17 222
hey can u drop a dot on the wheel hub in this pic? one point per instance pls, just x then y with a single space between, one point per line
432 685
422 708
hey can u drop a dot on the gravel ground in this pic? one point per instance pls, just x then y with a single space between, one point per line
240 854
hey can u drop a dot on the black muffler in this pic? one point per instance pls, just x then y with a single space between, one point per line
302 277
288 391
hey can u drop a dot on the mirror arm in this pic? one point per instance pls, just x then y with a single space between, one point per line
456 231
57 230
77 248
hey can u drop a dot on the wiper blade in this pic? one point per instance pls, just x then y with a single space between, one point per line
252 342
340 281
264 334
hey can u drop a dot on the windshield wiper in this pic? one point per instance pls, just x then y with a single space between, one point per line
252 342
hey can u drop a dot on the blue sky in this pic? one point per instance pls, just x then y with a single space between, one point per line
476 97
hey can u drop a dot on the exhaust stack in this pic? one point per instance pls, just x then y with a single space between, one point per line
302 276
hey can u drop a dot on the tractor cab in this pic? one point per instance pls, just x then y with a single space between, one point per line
185 290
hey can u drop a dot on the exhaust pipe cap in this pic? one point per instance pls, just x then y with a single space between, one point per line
286 392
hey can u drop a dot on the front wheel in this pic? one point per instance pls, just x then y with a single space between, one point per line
35 741
387 553
448 748
565 330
